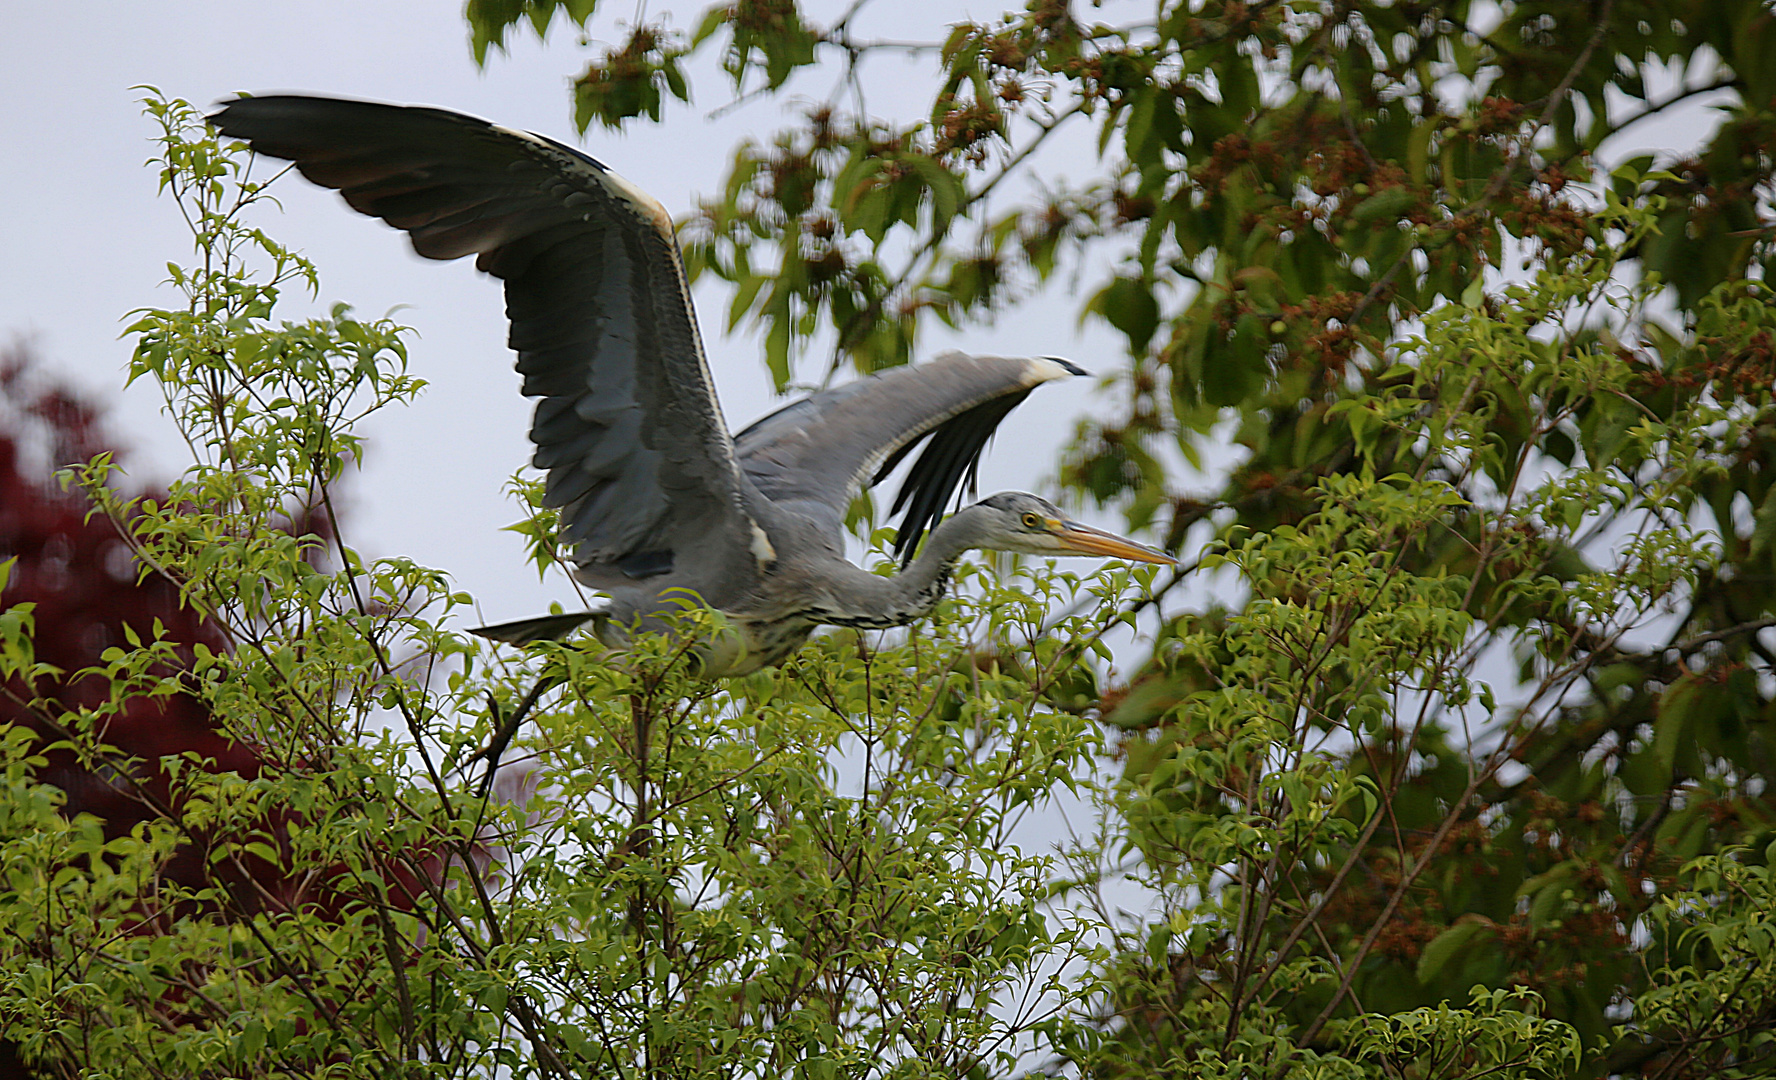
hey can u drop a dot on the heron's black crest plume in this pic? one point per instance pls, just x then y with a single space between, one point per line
950 461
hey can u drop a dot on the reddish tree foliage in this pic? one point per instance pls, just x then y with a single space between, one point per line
83 580
81 576
85 583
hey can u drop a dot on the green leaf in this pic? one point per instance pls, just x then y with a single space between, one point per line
1365 428
1764 524
1128 304
1448 945
945 190
1387 203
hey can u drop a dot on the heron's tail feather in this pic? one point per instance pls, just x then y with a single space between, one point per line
541 628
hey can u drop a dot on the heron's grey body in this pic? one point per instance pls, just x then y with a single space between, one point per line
657 502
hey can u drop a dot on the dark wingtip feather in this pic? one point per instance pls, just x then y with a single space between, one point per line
542 628
594 294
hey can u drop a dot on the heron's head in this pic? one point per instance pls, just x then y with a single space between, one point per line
1019 521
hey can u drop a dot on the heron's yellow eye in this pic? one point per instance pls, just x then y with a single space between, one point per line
1032 521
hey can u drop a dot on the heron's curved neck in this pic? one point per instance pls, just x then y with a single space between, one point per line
875 602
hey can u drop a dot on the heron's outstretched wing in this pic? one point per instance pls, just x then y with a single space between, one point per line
818 451
628 427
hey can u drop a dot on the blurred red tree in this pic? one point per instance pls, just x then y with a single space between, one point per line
79 572
86 585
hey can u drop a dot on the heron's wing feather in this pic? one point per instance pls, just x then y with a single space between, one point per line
628 428
823 448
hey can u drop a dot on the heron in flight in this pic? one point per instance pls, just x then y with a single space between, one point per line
657 500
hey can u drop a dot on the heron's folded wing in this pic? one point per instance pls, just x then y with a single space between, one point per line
823 448
628 427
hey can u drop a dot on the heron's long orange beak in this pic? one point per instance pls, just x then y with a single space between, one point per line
1085 540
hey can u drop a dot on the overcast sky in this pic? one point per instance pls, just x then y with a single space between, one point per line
87 239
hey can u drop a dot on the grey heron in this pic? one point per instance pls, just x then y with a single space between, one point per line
656 500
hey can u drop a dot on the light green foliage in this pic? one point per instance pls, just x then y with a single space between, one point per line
1332 637
818 861
1707 1001
1497 1033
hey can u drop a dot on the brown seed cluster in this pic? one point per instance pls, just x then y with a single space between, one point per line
966 129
